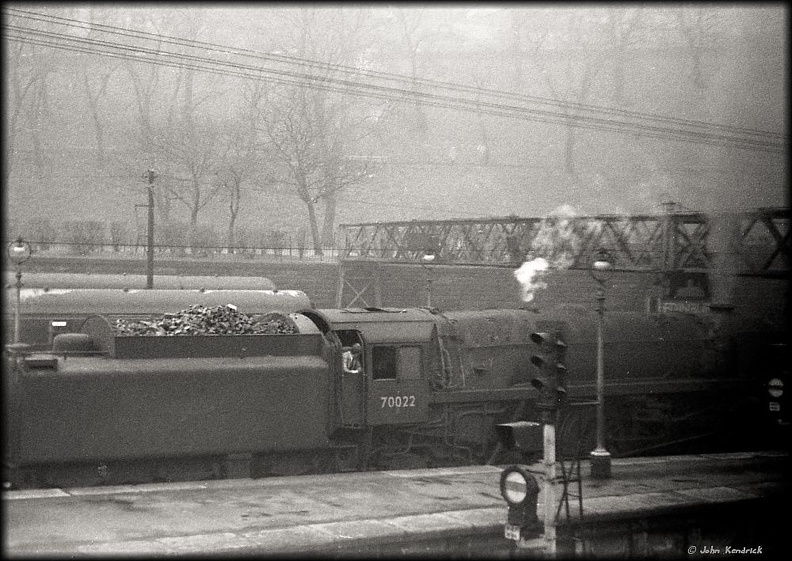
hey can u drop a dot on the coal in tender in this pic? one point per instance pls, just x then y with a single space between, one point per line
203 320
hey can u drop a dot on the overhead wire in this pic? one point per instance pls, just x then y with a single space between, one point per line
357 71
173 63
357 201
288 78
476 103
193 62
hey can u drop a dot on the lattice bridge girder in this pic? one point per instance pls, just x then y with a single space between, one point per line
756 242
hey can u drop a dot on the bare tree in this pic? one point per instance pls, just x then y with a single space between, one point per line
414 35
190 156
241 160
191 89
95 84
39 111
28 69
145 81
191 144
517 21
309 150
96 72
623 26
22 79
698 27
568 61
312 131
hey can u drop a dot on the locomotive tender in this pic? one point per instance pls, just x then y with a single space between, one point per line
46 312
98 408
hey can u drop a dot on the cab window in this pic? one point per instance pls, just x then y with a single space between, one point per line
410 363
383 363
390 362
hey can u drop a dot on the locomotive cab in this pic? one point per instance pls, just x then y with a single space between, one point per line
399 390
392 387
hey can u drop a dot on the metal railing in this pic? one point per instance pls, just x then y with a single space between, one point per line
110 250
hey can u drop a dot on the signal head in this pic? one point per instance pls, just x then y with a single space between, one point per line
550 380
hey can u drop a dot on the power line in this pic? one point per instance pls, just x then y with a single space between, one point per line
409 94
181 60
358 72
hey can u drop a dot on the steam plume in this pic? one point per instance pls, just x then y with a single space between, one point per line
558 240
530 275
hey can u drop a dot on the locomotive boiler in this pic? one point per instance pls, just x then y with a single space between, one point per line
99 407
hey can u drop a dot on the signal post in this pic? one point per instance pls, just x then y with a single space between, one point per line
519 486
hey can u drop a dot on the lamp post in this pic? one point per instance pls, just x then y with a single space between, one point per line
18 252
428 258
601 271
150 175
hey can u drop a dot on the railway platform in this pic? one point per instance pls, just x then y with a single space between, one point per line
694 506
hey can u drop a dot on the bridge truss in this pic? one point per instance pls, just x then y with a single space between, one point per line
754 243
760 241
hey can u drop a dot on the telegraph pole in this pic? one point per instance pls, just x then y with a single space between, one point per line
150 241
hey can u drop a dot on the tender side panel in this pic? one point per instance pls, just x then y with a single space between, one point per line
94 409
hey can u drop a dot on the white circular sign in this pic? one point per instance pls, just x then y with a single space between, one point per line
775 387
515 488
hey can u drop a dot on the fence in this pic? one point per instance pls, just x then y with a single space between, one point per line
290 252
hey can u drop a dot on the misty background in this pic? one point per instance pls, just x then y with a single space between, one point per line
264 123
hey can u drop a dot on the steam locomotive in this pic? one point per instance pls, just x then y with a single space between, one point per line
91 407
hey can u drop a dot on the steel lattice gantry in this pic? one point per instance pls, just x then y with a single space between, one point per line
755 242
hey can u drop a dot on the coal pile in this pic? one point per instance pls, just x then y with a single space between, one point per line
203 320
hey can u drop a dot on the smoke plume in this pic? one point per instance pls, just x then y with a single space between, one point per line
555 245
530 276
